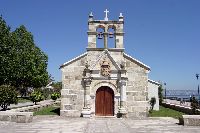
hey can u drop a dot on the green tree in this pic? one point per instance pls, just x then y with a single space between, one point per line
6 53
8 96
160 94
30 62
22 63
36 96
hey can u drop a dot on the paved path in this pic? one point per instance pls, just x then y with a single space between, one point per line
19 105
56 124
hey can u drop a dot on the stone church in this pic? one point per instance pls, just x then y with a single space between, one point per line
105 81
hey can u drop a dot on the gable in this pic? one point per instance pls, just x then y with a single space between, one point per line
136 62
105 55
74 60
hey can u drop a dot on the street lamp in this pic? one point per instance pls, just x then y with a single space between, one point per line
197 76
165 92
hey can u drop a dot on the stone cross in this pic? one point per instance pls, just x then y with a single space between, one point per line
106 17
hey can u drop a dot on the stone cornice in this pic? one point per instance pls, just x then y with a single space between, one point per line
102 49
106 22
119 33
95 33
92 33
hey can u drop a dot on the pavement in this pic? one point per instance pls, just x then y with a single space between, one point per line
19 105
58 124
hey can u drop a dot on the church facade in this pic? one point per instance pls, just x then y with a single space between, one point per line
104 81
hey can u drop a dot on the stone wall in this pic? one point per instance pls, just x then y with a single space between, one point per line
191 120
24 114
137 89
72 93
19 117
180 108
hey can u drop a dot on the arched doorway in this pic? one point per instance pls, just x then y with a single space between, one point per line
104 103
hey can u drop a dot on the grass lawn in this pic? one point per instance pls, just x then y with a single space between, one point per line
166 112
52 110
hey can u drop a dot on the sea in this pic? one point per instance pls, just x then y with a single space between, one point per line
181 94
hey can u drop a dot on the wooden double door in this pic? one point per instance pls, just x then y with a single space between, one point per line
104 103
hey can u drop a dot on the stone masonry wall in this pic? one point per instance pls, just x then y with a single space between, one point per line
136 90
72 94
94 57
73 91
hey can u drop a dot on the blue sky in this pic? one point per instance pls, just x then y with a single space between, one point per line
164 34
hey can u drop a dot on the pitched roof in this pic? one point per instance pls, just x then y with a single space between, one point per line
153 82
107 52
73 60
137 61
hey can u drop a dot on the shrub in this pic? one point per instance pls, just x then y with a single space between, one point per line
194 105
36 96
8 95
160 94
152 102
181 120
55 95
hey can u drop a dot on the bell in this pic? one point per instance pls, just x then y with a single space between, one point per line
100 35
110 35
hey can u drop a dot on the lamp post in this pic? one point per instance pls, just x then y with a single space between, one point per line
197 76
165 92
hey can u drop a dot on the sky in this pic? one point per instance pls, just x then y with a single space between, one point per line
163 34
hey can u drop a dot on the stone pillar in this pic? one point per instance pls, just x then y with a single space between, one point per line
86 111
122 109
105 40
87 92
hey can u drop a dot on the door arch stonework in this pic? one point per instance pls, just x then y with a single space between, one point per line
95 87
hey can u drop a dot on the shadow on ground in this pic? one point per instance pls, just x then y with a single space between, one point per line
57 111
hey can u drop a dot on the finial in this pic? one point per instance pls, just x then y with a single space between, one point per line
106 17
91 15
120 15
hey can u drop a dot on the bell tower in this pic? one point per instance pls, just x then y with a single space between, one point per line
105 25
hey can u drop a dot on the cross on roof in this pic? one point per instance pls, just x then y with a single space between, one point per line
106 17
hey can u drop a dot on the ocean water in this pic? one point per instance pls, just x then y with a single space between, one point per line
186 94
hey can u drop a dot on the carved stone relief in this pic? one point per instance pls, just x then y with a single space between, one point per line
105 67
